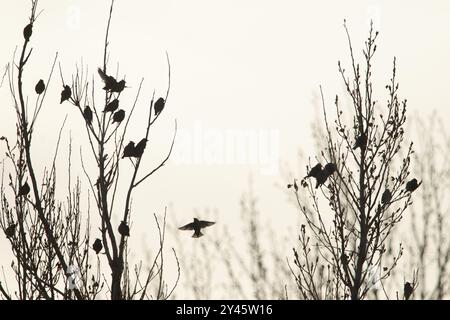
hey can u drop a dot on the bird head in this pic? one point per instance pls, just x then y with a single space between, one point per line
196 220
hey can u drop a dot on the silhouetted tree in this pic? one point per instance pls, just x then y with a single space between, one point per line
51 244
344 239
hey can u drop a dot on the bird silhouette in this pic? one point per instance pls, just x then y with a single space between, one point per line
408 290
197 225
329 169
119 116
360 142
66 93
412 185
108 80
140 147
118 86
314 171
111 83
97 246
321 178
10 231
112 106
124 230
159 106
28 31
128 151
40 87
24 190
87 115
386 196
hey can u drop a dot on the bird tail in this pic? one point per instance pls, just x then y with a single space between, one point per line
197 235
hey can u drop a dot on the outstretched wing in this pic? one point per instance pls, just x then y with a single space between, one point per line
102 74
204 224
189 226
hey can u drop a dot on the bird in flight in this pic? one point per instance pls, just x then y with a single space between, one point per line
197 225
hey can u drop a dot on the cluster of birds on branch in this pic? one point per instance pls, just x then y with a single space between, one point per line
111 86
321 174
130 150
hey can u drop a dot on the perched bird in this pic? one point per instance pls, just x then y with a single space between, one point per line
408 290
412 185
321 178
97 246
119 116
128 151
197 225
112 106
118 86
386 196
40 87
124 229
27 31
329 169
159 106
111 83
87 115
140 147
10 231
66 93
108 80
24 190
314 171
360 142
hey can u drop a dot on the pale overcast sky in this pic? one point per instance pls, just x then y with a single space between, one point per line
238 68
